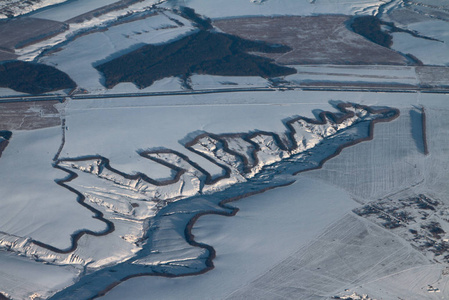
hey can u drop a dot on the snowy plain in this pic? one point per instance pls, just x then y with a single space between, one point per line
215 113
282 257
234 8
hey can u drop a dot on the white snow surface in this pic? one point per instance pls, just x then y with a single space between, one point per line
94 48
266 230
427 18
235 8
33 205
19 7
117 128
428 51
73 9
102 21
22 278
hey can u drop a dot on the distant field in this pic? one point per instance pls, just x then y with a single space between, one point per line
20 32
102 10
433 75
5 54
314 40
28 115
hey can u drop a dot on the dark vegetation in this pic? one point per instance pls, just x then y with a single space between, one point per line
188 13
5 134
369 27
33 78
435 229
204 52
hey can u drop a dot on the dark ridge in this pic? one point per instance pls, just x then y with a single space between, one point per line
369 27
202 53
33 78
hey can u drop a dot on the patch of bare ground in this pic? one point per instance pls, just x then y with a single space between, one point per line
6 54
314 40
374 85
24 31
433 76
28 115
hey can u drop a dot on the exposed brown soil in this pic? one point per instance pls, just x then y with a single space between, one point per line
24 31
357 84
430 76
6 54
28 115
314 40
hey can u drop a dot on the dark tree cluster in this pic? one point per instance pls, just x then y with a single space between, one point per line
33 78
204 52
370 28
5 134
200 22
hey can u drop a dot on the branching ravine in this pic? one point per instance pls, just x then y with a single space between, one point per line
252 163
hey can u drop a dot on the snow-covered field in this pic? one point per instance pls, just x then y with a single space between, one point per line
73 9
267 229
353 258
22 278
234 8
98 190
86 121
92 49
96 22
430 19
12 8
